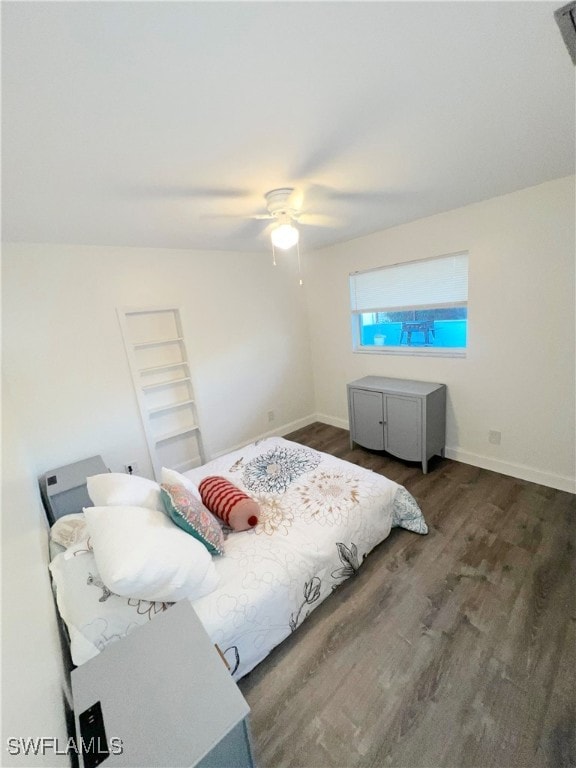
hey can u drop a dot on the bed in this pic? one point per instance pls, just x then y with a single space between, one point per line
319 518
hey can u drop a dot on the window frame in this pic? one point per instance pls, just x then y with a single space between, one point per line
427 351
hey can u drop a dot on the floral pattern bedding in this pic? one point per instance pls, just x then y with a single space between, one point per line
320 517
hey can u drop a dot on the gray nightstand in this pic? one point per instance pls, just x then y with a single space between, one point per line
166 694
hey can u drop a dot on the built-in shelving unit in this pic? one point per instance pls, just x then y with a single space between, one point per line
160 369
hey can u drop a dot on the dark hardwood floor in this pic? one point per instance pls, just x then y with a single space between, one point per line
452 650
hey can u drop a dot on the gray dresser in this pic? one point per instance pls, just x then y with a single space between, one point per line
402 417
162 696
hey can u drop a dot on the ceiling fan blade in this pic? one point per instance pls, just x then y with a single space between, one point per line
374 196
253 229
258 217
241 229
265 232
335 145
183 191
220 193
222 216
322 192
318 220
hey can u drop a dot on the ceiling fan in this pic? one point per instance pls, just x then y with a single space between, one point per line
283 208
285 211
294 207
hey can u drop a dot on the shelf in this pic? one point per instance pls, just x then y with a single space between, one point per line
167 383
164 367
169 407
176 433
156 342
155 346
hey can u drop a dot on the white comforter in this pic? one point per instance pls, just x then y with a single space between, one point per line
320 517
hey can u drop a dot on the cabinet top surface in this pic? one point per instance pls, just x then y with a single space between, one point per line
164 690
401 386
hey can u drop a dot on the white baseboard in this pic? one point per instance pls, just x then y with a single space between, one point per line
332 420
292 426
522 472
285 429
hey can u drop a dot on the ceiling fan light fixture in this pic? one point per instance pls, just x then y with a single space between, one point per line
285 236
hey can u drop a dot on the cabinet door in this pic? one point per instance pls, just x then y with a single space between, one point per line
367 418
404 427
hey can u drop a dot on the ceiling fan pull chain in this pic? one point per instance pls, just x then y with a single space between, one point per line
299 264
273 255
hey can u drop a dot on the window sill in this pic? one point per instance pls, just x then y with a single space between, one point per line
412 351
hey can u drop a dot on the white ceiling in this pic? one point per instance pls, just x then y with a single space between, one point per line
163 124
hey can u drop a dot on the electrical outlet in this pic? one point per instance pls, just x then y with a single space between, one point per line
271 416
494 437
131 468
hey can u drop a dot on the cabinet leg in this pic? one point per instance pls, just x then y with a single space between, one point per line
425 466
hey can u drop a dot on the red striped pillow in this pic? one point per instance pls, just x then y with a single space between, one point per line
229 503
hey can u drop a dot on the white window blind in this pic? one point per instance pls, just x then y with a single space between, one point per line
430 283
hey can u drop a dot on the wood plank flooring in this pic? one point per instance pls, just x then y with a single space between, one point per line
451 650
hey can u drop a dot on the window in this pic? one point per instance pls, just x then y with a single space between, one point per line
419 307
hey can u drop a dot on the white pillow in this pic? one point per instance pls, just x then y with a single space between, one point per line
115 489
70 531
171 477
141 553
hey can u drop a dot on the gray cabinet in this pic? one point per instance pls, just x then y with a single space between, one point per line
402 417
162 696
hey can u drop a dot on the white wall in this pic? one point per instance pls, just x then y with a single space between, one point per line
72 396
518 376
244 321
248 337
32 668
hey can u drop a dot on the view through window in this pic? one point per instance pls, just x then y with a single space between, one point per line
419 305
